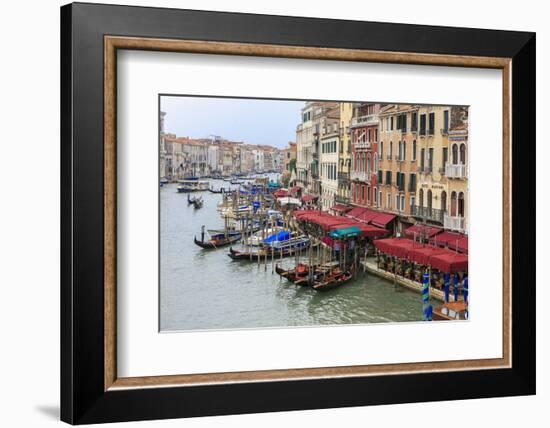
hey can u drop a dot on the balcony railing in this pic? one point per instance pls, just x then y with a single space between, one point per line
456 171
432 214
454 223
370 119
360 176
343 176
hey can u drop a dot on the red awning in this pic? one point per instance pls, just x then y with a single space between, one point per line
366 216
340 208
309 198
281 193
372 231
443 239
356 212
420 230
450 262
460 245
382 219
394 246
423 254
294 189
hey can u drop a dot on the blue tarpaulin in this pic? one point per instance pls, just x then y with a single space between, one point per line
280 236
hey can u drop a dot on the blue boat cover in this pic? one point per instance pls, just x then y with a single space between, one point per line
283 235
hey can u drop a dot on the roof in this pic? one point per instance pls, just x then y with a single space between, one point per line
309 198
340 208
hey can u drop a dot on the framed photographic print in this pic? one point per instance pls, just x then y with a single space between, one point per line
265 213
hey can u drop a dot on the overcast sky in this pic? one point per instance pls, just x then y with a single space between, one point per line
271 122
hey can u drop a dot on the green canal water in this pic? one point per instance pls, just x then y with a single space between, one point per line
205 289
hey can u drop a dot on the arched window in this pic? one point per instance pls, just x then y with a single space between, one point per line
375 162
404 150
414 150
461 204
429 199
390 154
463 154
399 152
444 201
421 198
453 204
455 154
381 150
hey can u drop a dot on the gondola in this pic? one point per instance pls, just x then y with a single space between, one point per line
333 280
211 190
198 203
299 273
191 200
217 241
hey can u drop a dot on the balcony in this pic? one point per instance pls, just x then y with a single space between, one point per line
456 171
362 145
371 119
339 199
360 176
431 214
343 176
454 223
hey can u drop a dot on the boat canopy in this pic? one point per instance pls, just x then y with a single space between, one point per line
280 236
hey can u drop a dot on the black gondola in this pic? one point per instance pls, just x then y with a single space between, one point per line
217 241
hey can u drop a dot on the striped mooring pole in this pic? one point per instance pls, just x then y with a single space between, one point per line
426 307
465 289
455 287
447 287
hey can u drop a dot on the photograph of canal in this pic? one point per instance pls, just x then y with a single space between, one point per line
291 213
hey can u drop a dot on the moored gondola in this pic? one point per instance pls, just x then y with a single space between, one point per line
332 280
217 240
298 273
198 203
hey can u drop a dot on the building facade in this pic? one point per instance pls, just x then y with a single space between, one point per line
328 147
344 154
365 165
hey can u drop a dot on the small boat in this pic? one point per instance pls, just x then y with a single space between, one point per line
332 280
221 190
277 249
219 240
296 274
191 200
452 311
198 203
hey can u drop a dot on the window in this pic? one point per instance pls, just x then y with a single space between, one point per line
381 150
446 121
390 154
391 123
422 124
453 204
368 195
397 202
444 201
431 123
430 158
429 199
461 204
414 121
421 198
463 154
376 135
445 156
412 202
380 176
388 177
412 183
362 193
414 150
455 154
404 151
380 198
388 201
375 197
402 202
422 159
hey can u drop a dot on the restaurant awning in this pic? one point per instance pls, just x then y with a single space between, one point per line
345 232
340 208
382 219
356 212
294 189
460 245
423 254
309 198
280 193
450 262
366 216
443 239
420 230
394 246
